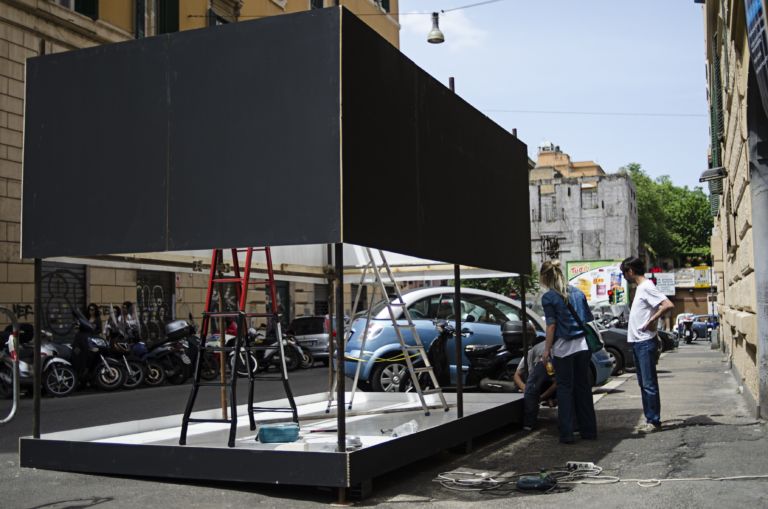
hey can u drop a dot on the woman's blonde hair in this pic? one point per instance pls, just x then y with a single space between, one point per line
551 276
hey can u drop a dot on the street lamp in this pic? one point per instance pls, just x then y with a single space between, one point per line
435 36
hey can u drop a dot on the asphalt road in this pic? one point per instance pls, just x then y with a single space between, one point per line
707 432
93 408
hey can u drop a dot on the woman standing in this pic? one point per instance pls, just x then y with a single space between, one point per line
94 317
567 346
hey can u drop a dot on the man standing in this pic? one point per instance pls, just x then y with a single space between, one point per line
648 306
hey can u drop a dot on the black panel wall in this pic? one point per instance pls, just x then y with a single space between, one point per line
230 136
221 137
411 146
96 150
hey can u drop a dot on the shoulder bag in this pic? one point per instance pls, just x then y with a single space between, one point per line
594 343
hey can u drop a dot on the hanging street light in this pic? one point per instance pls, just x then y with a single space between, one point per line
435 36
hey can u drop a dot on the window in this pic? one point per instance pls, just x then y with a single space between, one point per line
167 16
549 208
479 309
589 198
88 8
362 303
425 309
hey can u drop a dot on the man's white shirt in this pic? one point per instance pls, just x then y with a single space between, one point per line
647 299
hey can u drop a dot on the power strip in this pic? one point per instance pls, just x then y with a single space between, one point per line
579 465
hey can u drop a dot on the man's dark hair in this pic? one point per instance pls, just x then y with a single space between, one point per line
634 263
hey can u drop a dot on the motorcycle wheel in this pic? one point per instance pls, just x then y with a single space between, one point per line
155 375
241 369
176 374
209 367
307 361
134 375
59 380
292 360
108 378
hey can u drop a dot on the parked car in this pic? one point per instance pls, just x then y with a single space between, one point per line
703 324
483 314
680 324
312 334
614 333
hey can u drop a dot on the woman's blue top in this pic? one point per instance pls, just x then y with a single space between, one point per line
556 312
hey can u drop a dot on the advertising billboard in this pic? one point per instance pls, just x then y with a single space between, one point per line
600 280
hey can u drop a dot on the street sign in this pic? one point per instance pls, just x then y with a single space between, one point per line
665 282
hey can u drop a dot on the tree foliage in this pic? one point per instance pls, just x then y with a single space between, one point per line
674 222
508 286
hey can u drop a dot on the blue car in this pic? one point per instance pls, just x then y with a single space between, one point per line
702 324
382 365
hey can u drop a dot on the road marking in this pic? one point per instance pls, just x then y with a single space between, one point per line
610 386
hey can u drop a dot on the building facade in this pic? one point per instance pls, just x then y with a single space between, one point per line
161 286
578 212
738 182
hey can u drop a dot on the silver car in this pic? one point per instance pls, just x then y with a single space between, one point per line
312 333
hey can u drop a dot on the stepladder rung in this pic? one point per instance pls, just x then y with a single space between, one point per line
415 348
422 369
210 420
405 325
238 280
270 409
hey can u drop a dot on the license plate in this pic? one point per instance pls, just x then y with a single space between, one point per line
185 359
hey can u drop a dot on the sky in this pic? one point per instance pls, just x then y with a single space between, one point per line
646 58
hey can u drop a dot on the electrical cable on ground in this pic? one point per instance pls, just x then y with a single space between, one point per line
564 477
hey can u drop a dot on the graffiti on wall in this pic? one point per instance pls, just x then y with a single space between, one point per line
154 303
63 290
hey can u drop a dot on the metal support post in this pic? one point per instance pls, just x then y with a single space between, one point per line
37 358
341 423
457 314
524 316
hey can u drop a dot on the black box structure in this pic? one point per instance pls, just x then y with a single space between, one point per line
306 128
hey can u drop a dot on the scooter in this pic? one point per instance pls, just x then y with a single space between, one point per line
491 367
58 375
92 357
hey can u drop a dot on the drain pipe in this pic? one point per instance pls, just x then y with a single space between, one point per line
13 348
757 122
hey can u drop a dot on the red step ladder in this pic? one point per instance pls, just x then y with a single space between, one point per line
242 282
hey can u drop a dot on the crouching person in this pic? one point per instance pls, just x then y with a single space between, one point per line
537 384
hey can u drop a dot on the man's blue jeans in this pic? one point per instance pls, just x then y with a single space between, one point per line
574 396
645 363
538 382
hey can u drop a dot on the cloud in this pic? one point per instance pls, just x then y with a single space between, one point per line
460 31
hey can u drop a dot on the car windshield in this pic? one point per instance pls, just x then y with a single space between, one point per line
309 325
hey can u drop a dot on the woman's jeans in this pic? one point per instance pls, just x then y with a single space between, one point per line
645 363
574 396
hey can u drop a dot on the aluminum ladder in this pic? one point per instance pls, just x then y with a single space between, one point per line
412 353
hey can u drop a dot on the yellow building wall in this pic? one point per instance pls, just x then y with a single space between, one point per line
193 14
386 25
119 13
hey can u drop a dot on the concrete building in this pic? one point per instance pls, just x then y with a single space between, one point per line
737 76
161 285
578 212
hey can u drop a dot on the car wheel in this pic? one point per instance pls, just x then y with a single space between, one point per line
386 376
618 366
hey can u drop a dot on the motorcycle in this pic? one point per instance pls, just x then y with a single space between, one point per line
58 376
93 359
491 367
